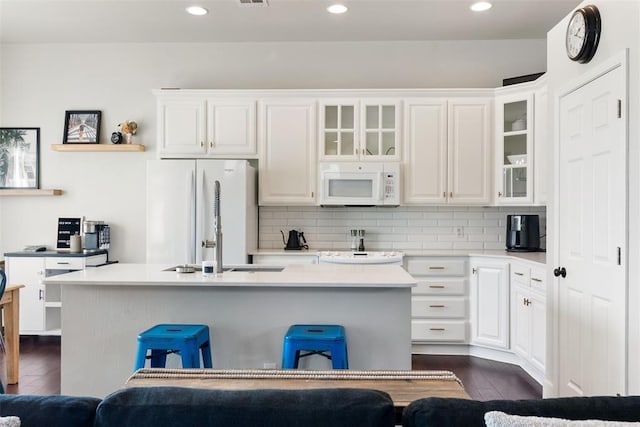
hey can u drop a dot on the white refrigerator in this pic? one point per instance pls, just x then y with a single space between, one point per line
180 210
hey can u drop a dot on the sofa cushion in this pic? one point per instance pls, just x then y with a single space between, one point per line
178 406
436 411
50 411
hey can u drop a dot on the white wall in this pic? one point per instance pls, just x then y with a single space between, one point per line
39 82
620 30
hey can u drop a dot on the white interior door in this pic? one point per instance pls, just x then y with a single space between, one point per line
592 230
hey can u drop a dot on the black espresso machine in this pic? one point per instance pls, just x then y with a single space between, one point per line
523 233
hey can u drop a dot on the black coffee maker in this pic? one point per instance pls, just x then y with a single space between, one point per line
523 233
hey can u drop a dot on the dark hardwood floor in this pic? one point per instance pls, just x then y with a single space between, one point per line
482 379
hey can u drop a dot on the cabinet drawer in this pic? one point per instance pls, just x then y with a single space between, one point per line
538 279
437 267
430 330
440 287
438 307
520 273
64 263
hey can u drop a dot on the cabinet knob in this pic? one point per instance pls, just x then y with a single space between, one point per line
211 144
474 270
499 193
560 271
444 194
437 306
202 144
436 329
451 194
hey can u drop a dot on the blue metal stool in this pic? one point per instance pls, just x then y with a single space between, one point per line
315 339
164 339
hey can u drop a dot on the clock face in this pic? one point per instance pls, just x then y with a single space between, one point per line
583 34
576 35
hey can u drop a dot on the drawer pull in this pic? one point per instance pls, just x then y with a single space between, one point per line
518 274
436 329
437 306
435 267
536 280
436 286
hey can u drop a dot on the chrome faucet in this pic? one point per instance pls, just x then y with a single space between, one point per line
216 243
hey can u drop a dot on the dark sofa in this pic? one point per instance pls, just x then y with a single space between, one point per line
188 407
450 412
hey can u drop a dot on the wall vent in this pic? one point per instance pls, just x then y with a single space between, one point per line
253 2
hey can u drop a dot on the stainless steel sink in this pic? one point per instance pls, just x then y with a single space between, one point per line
252 269
249 268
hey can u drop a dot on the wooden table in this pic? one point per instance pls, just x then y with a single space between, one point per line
10 304
403 386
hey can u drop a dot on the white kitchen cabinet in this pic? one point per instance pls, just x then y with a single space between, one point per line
490 303
528 316
39 305
287 151
447 151
439 304
359 129
514 148
192 124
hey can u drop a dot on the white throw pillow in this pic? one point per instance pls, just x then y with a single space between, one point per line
500 419
9 422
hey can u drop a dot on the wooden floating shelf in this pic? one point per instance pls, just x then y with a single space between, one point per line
30 192
97 147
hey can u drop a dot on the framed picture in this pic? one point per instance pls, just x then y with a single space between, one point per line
19 157
81 127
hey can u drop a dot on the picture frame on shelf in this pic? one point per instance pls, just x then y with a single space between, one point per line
19 158
82 127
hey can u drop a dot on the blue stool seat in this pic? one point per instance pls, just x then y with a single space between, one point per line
315 339
188 340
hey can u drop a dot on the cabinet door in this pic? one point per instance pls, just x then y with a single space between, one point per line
339 124
425 151
28 271
181 126
380 130
514 149
490 304
469 130
521 325
287 152
231 127
538 332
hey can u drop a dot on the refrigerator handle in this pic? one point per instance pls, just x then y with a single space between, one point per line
191 243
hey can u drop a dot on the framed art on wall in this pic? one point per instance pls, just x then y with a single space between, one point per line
19 157
81 127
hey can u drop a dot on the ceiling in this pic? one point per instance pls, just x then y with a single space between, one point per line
97 21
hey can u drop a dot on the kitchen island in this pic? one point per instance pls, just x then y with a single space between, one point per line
248 313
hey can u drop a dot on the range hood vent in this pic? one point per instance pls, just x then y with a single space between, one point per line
253 2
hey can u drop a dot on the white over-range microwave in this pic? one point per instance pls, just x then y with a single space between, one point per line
360 184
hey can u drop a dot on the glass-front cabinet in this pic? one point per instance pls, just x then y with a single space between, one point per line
514 149
359 129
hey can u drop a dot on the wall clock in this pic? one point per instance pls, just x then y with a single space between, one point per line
583 34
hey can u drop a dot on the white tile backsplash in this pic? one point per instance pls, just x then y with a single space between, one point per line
394 228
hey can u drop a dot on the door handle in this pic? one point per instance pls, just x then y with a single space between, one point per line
560 271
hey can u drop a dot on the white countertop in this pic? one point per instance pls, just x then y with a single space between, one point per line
304 275
537 257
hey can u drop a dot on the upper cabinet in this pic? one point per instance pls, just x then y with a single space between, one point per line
447 151
359 129
287 149
194 125
514 148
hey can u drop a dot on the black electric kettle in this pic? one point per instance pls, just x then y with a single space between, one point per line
295 241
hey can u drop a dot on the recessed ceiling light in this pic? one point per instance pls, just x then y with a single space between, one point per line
337 8
481 6
197 10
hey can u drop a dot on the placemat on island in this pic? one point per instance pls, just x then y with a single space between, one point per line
402 386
